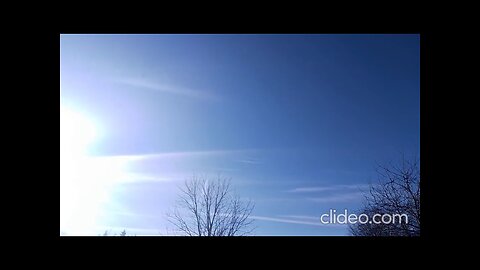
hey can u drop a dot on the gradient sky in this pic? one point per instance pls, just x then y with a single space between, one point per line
298 122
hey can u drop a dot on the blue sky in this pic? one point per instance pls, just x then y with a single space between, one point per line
298 122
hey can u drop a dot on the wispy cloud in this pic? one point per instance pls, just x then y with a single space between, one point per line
179 154
295 220
344 197
130 214
159 167
300 217
328 188
250 161
168 88
142 177
310 189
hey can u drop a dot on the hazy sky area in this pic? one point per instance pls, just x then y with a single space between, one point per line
298 122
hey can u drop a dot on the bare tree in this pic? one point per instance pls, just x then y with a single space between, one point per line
398 192
209 208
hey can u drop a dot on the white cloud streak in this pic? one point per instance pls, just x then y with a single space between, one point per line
250 161
328 188
180 154
167 88
346 197
118 167
294 221
300 217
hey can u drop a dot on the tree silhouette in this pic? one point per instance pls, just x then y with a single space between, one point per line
398 192
209 208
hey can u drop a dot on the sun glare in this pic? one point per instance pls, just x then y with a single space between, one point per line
84 180
76 132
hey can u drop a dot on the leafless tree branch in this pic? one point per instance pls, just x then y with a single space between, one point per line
398 192
209 208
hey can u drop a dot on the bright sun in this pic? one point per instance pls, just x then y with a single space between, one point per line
84 180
